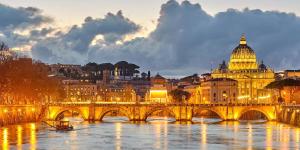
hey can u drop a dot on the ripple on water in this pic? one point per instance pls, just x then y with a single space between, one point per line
158 134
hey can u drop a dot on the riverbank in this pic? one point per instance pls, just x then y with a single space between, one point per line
18 114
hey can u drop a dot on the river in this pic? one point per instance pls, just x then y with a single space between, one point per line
160 133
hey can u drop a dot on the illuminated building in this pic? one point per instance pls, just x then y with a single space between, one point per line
292 74
252 77
218 90
158 92
79 91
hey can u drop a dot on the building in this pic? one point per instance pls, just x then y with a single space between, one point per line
252 76
195 94
116 92
158 92
291 74
67 70
77 91
218 90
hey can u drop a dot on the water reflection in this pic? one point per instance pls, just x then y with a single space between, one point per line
19 136
118 130
158 134
33 136
296 138
203 135
269 137
250 140
5 145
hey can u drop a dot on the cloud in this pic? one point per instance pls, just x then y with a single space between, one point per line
21 17
74 45
17 20
186 39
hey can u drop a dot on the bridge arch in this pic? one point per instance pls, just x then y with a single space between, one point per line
82 113
156 109
267 113
219 114
122 111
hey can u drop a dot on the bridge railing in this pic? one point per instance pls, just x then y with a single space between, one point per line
159 104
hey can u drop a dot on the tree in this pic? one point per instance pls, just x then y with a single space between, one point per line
179 95
24 81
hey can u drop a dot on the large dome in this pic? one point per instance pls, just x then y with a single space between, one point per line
242 57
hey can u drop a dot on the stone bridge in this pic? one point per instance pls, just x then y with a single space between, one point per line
289 114
181 112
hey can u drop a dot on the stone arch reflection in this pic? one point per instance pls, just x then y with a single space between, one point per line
206 115
114 115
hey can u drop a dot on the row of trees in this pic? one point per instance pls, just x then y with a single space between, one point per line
23 81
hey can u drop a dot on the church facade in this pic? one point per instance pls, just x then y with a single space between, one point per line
252 76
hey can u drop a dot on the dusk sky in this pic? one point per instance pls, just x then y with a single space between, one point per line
169 37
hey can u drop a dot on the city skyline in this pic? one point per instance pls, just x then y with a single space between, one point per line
161 74
179 42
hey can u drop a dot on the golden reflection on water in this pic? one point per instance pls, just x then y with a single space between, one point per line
19 136
296 138
250 137
284 133
32 136
276 135
5 145
269 136
165 135
203 135
118 132
157 135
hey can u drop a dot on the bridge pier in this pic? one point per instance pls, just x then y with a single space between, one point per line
91 116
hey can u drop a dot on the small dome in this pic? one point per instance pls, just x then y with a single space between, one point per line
223 66
262 66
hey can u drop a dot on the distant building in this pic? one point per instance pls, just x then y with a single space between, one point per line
218 90
252 77
67 70
158 92
195 93
116 93
141 87
125 71
77 91
291 74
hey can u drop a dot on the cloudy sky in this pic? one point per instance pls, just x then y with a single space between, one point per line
169 37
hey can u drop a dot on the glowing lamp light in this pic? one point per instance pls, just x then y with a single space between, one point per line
5 110
19 110
32 109
297 110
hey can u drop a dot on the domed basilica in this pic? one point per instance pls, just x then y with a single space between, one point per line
252 76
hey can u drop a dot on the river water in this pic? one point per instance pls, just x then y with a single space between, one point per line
158 133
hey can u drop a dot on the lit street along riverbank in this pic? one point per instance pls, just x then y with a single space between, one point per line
157 133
